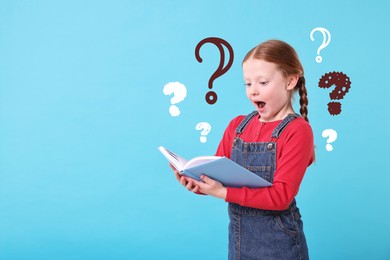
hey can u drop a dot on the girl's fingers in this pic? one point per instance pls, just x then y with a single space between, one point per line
207 179
189 186
196 189
183 181
189 183
186 182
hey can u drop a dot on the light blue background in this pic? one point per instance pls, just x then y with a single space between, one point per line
82 112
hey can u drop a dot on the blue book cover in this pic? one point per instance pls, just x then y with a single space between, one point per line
221 169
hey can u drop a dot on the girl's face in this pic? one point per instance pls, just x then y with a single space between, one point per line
268 89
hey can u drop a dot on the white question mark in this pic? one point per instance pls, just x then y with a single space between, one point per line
206 130
179 93
332 136
325 40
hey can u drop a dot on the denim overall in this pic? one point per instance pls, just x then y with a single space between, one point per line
263 234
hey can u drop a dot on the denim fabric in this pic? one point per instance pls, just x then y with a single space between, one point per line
263 234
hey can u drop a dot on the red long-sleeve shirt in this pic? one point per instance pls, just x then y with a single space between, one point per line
294 153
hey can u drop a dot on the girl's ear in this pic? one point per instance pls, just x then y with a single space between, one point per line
292 81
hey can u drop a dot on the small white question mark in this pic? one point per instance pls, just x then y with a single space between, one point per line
206 127
332 136
179 93
325 40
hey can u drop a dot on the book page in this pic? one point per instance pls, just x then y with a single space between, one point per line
199 160
177 161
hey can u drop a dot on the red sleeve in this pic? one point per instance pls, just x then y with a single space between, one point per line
296 153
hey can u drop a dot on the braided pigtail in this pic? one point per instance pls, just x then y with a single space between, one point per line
303 101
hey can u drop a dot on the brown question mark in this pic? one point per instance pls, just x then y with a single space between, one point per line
211 97
343 84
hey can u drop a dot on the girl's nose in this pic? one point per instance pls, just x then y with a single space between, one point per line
254 91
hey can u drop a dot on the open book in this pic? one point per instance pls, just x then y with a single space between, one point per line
221 169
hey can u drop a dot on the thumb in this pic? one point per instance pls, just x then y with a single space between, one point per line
206 179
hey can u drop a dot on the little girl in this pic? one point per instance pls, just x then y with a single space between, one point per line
273 142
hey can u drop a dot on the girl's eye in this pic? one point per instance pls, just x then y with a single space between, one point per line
247 84
263 83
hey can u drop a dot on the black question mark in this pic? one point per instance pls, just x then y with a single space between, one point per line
211 97
342 83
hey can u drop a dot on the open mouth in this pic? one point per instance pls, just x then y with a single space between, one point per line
260 104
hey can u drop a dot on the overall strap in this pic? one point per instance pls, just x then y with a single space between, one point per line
279 129
244 122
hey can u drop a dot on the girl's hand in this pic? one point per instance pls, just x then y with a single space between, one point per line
187 182
210 187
